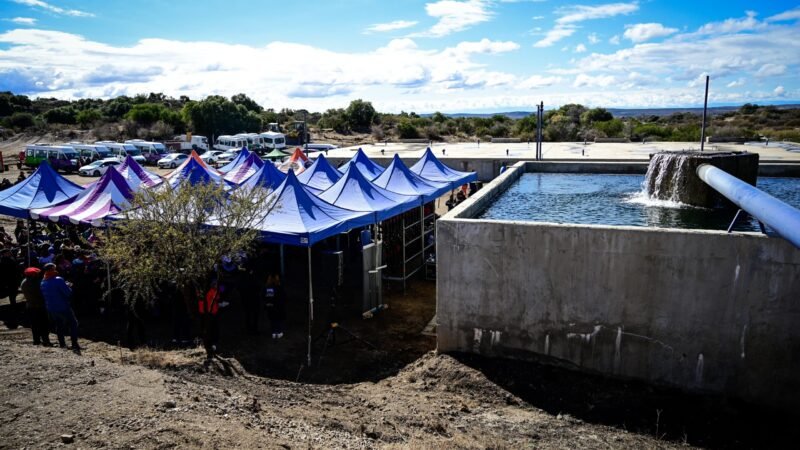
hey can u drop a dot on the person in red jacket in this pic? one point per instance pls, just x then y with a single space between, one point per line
208 308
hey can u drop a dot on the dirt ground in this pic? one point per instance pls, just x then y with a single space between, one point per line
394 392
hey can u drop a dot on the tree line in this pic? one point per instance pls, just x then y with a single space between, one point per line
157 116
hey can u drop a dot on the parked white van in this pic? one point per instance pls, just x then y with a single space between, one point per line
152 151
90 152
273 140
226 142
122 150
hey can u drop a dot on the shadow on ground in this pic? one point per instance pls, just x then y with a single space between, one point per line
703 420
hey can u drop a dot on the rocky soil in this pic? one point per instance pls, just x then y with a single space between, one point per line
108 397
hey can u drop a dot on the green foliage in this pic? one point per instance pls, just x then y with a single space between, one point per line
438 117
88 117
63 114
247 102
335 119
149 113
407 130
525 126
21 120
164 237
216 115
650 131
596 115
360 115
610 128
560 128
748 108
117 108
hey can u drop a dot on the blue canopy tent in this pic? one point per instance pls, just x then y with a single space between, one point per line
245 169
353 191
320 176
240 158
430 168
268 176
42 189
368 167
297 217
398 178
194 171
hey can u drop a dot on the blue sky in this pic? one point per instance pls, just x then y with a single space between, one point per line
424 56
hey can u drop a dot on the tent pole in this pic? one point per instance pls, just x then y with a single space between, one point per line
422 230
310 307
28 229
108 267
283 272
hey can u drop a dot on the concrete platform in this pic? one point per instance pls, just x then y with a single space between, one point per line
775 152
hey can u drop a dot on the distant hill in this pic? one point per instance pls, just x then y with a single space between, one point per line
624 112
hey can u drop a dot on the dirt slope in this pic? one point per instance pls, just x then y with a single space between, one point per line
108 398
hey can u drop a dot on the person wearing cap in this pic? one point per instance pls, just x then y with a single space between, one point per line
34 303
57 296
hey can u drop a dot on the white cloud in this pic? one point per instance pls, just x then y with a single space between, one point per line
537 17
554 35
580 48
771 70
583 80
390 26
538 81
642 32
486 46
54 9
570 16
734 25
69 66
23 20
580 13
614 40
455 15
736 83
779 91
593 39
792 14
687 56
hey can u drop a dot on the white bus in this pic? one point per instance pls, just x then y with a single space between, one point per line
90 152
122 150
226 142
273 140
152 151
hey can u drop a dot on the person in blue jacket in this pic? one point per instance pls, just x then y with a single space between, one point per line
57 295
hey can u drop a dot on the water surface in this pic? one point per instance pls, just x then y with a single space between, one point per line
616 200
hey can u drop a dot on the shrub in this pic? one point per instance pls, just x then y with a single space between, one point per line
21 120
406 130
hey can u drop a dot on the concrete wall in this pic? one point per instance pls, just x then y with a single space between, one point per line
701 310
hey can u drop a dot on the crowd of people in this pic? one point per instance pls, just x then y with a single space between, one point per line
57 271
61 277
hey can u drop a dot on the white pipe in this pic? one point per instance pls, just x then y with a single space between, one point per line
779 216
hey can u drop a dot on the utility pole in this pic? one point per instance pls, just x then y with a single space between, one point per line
705 109
305 132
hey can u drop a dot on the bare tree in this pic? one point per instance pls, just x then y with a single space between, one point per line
180 235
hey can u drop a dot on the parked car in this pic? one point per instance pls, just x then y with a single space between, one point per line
99 167
228 156
172 160
211 156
